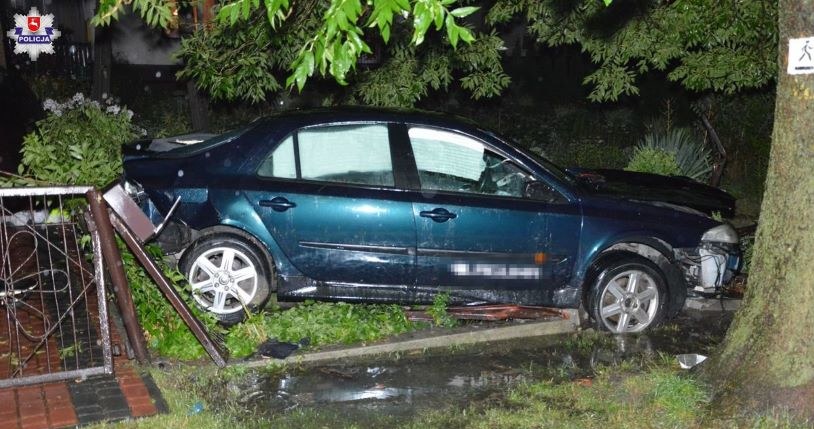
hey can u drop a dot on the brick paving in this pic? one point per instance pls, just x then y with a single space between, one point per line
126 395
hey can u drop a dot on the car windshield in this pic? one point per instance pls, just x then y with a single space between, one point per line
192 149
554 169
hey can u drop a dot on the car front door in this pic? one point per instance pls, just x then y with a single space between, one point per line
479 237
328 196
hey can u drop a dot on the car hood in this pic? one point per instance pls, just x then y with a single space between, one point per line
676 190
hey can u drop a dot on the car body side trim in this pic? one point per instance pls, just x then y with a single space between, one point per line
471 253
358 247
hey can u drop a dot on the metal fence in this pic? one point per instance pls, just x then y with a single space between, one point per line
74 60
53 314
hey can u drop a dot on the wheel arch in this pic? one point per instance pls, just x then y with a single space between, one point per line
653 249
268 258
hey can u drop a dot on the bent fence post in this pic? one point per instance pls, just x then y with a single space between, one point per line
169 291
110 252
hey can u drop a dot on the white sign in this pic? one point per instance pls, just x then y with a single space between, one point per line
801 56
33 34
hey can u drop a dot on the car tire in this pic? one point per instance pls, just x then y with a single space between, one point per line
629 295
228 276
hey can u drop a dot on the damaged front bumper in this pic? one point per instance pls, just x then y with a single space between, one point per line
714 263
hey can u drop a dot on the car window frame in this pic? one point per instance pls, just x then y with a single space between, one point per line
391 129
488 146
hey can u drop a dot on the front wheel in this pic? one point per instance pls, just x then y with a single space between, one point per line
629 296
227 276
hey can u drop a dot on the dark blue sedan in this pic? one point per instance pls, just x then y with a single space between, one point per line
398 206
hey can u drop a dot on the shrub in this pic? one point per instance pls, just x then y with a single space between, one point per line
54 86
588 154
675 151
653 160
78 142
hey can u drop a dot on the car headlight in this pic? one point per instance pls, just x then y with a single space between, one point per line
134 190
721 234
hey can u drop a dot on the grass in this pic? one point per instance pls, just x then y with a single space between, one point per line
646 392
438 311
586 341
321 323
658 398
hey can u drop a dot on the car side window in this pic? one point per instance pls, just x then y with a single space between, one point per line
356 154
448 161
281 162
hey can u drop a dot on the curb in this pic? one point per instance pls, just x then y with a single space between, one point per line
533 329
711 304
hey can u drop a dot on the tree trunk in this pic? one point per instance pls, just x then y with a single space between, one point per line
102 53
198 102
198 108
767 359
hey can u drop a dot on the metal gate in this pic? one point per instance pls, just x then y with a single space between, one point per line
53 311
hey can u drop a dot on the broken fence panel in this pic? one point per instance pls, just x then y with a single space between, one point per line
53 311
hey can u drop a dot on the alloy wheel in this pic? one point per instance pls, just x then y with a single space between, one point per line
629 303
223 279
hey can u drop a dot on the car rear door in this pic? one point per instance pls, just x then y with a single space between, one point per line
478 236
328 196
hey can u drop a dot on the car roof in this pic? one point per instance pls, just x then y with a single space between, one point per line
315 116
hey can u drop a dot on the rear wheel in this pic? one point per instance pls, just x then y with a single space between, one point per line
227 276
628 296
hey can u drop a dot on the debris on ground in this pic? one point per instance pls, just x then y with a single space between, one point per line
280 350
690 360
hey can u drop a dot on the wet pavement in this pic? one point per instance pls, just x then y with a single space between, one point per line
398 387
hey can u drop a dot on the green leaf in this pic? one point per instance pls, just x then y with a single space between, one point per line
465 35
452 31
319 55
438 14
308 61
422 19
270 15
233 14
385 32
464 11
245 9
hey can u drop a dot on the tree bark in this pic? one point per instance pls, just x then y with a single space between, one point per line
102 54
198 108
767 359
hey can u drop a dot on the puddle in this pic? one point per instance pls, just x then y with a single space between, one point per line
401 387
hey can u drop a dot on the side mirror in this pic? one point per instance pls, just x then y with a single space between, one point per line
541 191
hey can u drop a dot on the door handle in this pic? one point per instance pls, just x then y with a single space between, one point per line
278 204
438 215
